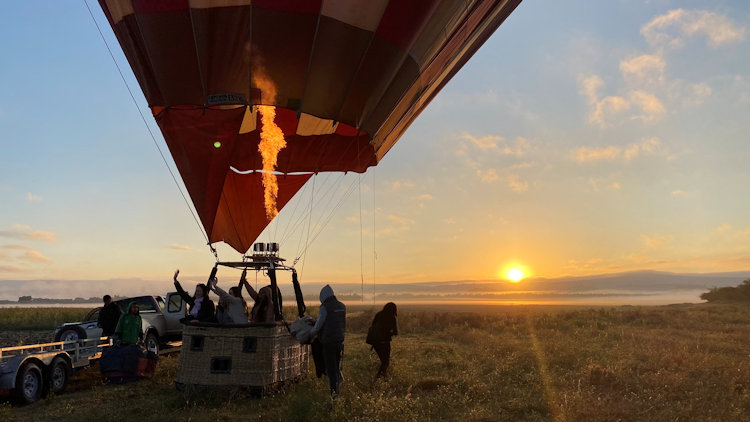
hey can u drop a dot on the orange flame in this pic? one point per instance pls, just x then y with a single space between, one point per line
271 142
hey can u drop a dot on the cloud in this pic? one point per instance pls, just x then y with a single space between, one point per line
671 29
421 199
487 142
679 193
36 235
651 107
588 154
396 224
516 184
724 228
687 94
655 241
16 247
10 269
401 184
42 235
495 143
179 247
615 186
35 256
605 110
650 146
488 176
21 227
646 146
33 198
646 69
589 87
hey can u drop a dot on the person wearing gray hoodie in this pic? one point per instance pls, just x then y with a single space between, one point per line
330 328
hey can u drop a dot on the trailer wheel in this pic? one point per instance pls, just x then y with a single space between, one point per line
58 375
29 383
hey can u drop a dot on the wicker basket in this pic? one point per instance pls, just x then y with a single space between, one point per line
259 356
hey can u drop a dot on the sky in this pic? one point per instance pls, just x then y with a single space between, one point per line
584 137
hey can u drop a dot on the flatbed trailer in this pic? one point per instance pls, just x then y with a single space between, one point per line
30 372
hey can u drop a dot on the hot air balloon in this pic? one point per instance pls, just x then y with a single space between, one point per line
254 97
345 79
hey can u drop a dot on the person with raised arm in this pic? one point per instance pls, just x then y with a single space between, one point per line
201 305
263 308
232 304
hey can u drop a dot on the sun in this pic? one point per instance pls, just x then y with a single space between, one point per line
515 275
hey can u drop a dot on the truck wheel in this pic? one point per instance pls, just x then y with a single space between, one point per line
71 334
28 384
152 342
58 375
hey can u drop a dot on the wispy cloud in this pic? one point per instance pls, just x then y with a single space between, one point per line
33 198
484 143
589 154
643 70
42 235
724 228
488 176
396 224
35 256
179 247
10 269
679 193
516 184
497 144
22 232
654 241
646 146
401 184
423 198
671 29
652 109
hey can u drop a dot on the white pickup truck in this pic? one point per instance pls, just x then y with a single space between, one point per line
160 319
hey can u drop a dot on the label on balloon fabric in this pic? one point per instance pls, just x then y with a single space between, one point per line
222 99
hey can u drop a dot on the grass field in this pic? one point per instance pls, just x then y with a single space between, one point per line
671 363
20 319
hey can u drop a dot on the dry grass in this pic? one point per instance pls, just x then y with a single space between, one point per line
675 363
22 319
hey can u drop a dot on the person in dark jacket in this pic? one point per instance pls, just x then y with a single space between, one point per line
109 315
201 306
330 328
384 326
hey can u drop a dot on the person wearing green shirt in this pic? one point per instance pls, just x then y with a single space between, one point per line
129 329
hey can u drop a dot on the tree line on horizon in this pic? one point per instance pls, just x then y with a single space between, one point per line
740 293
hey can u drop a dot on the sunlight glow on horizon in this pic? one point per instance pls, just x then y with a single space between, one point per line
515 275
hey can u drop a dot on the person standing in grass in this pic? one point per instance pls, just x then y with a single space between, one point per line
129 329
109 316
330 328
384 326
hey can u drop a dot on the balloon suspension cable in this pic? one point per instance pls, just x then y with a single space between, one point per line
374 253
361 234
148 128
